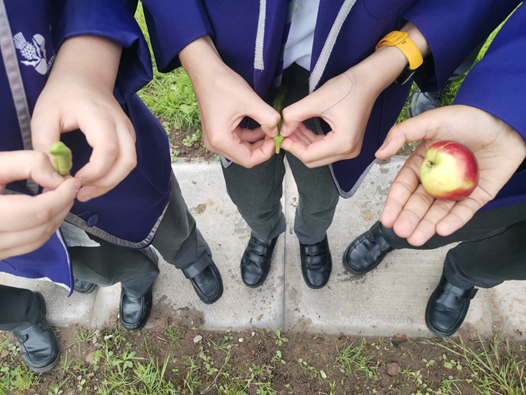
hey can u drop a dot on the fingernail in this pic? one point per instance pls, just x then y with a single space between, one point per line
384 145
57 176
283 130
77 185
83 180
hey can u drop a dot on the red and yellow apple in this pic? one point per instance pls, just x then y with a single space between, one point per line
449 171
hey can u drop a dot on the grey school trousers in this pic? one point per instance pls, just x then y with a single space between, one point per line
177 239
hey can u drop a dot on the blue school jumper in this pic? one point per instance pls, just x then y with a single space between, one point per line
31 31
248 37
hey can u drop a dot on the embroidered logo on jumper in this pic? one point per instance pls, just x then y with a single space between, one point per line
34 52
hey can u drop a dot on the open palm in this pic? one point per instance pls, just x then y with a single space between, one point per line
409 209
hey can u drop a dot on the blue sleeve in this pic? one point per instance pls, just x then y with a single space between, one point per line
453 29
113 19
172 26
497 84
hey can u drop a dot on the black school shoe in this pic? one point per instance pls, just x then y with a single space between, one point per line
447 307
134 312
255 263
366 251
84 287
206 280
38 343
316 263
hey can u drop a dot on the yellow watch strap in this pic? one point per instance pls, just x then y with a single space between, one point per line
402 41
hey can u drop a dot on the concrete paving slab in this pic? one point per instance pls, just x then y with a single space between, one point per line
227 234
61 310
389 300
508 305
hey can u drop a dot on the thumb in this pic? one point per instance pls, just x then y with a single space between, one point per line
263 114
45 130
421 127
298 112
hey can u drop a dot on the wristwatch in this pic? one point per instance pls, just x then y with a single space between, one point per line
402 41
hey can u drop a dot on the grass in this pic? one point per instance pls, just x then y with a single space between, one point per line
495 368
489 366
170 97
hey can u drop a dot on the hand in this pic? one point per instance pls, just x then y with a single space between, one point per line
345 103
409 209
28 222
224 99
79 94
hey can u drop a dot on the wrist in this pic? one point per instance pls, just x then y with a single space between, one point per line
92 58
382 67
200 58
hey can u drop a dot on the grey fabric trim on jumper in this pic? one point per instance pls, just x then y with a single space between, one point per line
80 223
16 84
9 192
259 63
326 51
225 162
343 194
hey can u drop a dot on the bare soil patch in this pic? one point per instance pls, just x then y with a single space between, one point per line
253 359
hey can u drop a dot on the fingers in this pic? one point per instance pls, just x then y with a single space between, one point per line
263 114
19 212
22 165
116 150
404 185
45 128
426 228
250 135
14 243
461 213
28 222
112 138
232 147
296 113
424 126
318 150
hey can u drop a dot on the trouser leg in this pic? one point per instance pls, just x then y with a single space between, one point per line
491 251
108 264
466 64
484 224
256 192
317 201
177 239
19 308
489 262
317 195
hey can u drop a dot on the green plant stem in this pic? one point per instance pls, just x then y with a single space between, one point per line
278 106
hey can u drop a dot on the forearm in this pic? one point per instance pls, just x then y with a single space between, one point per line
93 57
